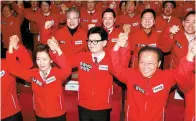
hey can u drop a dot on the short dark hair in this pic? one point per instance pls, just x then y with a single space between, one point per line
135 3
151 49
48 2
148 10
121 2
172 2
109 10
6 5
98 30
189 13
40 48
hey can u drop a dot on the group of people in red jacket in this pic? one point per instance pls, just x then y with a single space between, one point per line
102 41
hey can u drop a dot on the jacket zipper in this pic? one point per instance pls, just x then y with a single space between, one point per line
128 113
33 102
163 114
13 100
146 95
109 96
60 101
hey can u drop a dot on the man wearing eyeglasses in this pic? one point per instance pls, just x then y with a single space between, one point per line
94 78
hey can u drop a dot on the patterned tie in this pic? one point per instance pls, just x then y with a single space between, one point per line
96 60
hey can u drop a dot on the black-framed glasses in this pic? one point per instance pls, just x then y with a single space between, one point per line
95 42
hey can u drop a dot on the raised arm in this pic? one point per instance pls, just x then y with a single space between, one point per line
122 73
186 68
20 67
60 59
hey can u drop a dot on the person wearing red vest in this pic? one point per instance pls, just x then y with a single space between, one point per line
145 36
48 98
10 108
10 24
148 87
46 15
90 15
131 18
189 96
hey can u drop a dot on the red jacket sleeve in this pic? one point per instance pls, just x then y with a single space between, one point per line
122 73
186 82
183 77
165 43
20 67
64 66
125 55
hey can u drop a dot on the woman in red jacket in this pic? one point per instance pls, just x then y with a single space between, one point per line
148 87
48 99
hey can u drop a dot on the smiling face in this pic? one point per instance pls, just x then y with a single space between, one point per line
108 20
43 61
189 24
45 7
73 20
148 63
147 20
96 47
6 11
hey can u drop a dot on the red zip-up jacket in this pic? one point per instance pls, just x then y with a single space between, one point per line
48 98
40 20
133 22
11 26
95 90
86 18
147 97
69 44
178 46
33 27
9 98
139 39
161 23
189 95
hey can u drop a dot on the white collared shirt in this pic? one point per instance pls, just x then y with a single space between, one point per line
47 14
190 38
110 30
165 17
47 73
99 57
91 11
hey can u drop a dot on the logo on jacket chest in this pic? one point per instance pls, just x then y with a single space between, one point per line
62 41
51 79
85 66
39 83
2 73
178 44
138 88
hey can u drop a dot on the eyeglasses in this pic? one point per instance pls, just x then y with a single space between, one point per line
95 42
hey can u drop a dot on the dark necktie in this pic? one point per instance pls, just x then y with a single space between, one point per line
167 20
96 60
